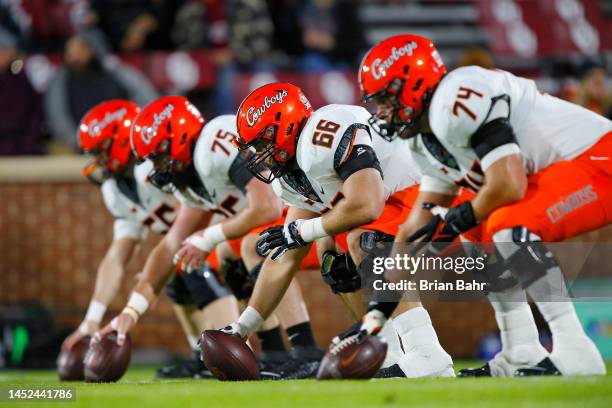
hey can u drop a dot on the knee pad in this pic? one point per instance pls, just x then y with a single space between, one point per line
237 278
531 260
204 286
339 272
494 274
177 292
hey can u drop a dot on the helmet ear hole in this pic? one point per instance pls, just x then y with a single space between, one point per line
289 129
278 116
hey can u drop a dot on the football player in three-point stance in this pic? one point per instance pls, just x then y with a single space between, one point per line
198 162
325 165
137 206
541 170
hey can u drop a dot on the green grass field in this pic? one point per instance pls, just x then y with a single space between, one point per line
138 389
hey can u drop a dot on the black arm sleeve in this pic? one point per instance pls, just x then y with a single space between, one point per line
239 174
361 157
491 135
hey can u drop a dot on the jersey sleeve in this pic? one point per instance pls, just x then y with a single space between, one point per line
495 138
124 226
460 105
355 152
185 201
472 110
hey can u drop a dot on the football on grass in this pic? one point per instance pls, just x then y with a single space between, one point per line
228 357
105 361
356 360
70 362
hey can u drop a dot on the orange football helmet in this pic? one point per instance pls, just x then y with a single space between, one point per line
402 71
270 120
166 132
104 132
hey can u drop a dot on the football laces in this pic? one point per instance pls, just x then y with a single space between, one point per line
354 338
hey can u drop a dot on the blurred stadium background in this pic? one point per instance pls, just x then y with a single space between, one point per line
58 58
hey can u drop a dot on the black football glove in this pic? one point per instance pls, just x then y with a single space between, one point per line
446 224
283 238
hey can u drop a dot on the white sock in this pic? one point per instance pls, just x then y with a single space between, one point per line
518 331
561 318
394 348
415 329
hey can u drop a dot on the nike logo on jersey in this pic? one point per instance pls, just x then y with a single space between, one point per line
360 151
322 191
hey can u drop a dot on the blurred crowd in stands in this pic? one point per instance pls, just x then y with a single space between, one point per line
255 36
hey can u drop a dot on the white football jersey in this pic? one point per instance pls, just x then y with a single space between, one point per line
222 176
138 205
547 129
327 139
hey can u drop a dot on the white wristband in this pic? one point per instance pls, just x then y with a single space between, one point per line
249 321
95 312
211 237
312 229
136 306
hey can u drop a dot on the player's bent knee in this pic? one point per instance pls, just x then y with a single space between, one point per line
237 278
204 286
177 292
248 244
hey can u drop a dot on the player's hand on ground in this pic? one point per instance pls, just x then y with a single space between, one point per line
234 329
121 323
87 328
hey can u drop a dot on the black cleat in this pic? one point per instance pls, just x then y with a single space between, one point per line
304 362
484 371
185 369
393 371
193 368
270 362
544 367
